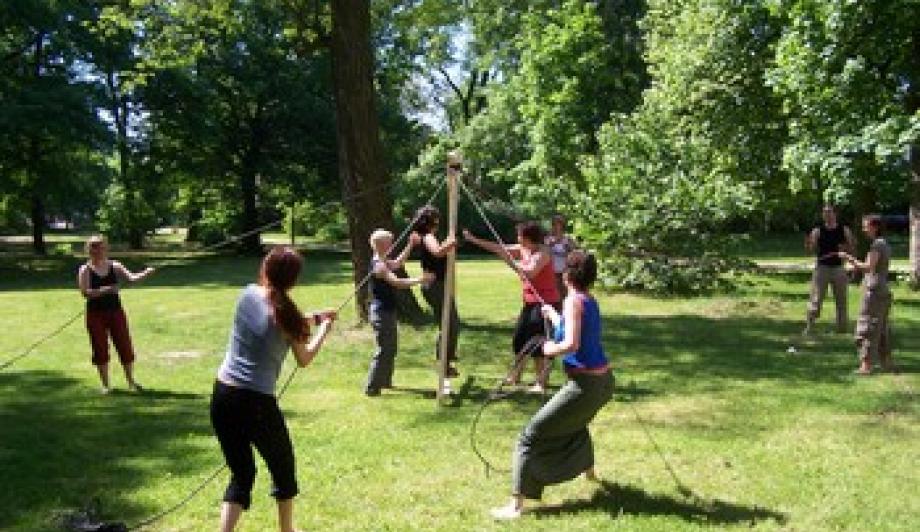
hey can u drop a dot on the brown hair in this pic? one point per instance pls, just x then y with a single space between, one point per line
426 217
581 269
875 221
278 274
531 231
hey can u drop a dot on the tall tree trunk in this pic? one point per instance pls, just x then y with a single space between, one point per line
360 158
38 225
38 206
915 217
913 105
253 242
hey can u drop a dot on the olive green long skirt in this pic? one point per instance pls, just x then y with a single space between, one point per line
555 446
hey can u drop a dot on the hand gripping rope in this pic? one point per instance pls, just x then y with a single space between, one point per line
191 495
520 358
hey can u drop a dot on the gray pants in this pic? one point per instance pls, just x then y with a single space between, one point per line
434 295
555 446
873 330
380 374
837 277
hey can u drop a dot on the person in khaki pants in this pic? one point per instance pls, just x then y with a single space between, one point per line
827 240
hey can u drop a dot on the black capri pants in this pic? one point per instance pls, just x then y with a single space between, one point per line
529 325
244 418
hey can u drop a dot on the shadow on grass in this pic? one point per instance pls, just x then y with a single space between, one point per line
619 499
63 444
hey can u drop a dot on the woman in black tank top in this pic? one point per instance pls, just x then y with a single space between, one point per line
434 261
105 317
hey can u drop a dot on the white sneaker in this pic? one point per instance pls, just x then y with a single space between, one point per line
506 513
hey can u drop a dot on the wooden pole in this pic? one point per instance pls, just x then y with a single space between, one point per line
454 163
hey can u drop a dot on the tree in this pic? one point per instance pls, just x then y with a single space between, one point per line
848 75
360 156
696 153
48 127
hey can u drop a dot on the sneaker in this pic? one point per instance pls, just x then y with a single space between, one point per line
105 390
135 387
452 372
506 513
536 388
372 392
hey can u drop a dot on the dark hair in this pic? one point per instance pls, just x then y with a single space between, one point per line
875 221
531 231
426 218
581 269
278 274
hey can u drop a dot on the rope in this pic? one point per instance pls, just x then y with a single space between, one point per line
56 332
517 364
173 261
290 378
508 258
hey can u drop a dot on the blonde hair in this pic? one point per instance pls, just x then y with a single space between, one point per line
378 236
93 240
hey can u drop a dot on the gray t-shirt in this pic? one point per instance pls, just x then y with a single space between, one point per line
257 347
878 280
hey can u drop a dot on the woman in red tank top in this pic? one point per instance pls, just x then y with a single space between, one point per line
533 261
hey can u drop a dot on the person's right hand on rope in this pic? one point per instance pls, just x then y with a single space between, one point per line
467 235
449 242
415 239
428 279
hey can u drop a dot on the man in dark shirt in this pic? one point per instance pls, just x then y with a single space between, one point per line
827 240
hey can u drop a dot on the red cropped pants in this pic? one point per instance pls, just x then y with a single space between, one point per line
101 324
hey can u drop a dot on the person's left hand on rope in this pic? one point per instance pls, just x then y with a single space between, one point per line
428 278
415 239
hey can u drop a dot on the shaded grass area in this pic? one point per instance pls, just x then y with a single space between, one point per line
764 439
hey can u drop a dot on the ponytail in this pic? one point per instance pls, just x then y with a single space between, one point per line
278 274
288 316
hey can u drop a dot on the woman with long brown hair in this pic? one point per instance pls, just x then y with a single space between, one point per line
244 409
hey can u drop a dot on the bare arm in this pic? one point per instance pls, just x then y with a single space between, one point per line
92 293
868 266
394 280
573 311
811 240
513 250
306 352
398 262
128 275
536 262
438 250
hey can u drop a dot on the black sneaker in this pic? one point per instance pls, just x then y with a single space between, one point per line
372 392
452 371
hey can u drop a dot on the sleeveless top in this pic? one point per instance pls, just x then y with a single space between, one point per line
257 347
879 279
560 248
544 283
433 264
590 352
382 293
108 301
829 241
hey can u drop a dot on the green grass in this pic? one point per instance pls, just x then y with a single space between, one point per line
765 440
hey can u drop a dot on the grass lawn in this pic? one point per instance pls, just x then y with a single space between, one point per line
764 439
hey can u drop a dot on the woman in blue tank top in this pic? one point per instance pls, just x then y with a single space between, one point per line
555 446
